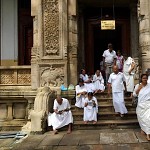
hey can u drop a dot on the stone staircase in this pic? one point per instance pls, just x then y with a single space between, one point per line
107 118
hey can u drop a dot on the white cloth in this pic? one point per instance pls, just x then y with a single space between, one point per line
143 109
118 102
148 81
117 81
84 77
80 98
109 57
90 112
99 82
119 62
90 87
59 120
129 77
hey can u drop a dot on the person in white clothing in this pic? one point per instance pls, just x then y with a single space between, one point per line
117 81
148 73
81 91
84 76
98 82
90 86
62 115
119 61
128 71
109 59
90 109
142 90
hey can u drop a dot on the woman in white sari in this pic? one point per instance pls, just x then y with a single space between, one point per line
98 82
143 107
128 68
90 109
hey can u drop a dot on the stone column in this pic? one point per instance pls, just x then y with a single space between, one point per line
73 41
144 32
49 63
134 31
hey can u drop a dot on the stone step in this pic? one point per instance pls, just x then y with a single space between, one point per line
108 99
78 116
104 107
12 125
114 124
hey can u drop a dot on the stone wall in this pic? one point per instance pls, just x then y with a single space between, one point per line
144 33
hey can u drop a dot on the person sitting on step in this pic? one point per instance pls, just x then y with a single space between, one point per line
90 109
62 115
98 82
81 91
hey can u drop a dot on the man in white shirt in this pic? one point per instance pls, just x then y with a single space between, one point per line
109 59
62 115
117 80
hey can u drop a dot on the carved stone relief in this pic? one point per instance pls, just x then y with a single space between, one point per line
51 27
52 76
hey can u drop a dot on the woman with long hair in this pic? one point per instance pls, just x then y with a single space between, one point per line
143 106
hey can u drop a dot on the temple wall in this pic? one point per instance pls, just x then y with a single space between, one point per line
144 33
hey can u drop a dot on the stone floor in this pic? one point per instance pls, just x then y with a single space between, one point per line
120 139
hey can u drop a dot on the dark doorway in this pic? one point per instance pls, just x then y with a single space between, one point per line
25 32
96 40
101 40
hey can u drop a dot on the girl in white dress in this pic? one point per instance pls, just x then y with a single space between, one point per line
120 61
90 109
81 91
98 82
84 76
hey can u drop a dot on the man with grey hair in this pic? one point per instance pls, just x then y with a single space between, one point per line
62 115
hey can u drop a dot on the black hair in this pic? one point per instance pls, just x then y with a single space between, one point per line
80 80
90 94
144 74
110 45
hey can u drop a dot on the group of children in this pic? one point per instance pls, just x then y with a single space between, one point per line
85 90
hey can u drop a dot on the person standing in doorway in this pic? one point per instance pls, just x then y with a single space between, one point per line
117 82
109 59
119 61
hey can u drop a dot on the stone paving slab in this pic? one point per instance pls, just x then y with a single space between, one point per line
50 140
6 142
141 138
30 142
70 139
112 138
82 140
89 139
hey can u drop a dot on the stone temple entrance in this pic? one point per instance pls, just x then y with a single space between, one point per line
94 40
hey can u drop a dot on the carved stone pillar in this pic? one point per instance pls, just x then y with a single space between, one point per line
49 63
144 32
73 41
134 31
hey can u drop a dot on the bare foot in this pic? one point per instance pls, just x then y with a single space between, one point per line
94 122
148 137
55 132
85 122
142 132
121 115
69 131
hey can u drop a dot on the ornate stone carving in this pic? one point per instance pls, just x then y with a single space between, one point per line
51 27
52 76
7 77
35 56
24 76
